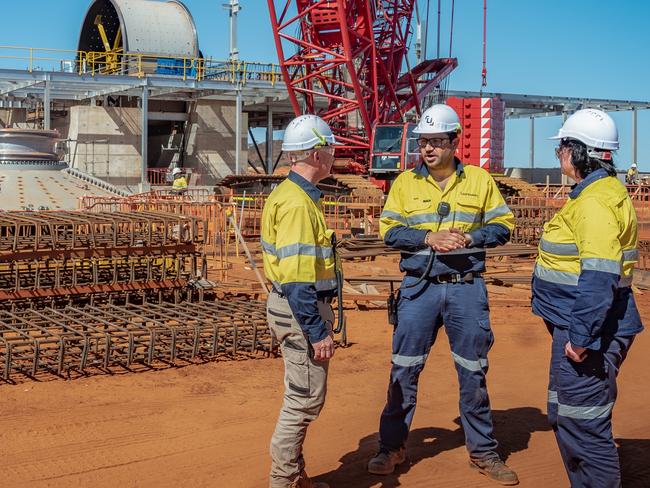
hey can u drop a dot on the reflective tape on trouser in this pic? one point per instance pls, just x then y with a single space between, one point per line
422 310
581 397
408 361
469 364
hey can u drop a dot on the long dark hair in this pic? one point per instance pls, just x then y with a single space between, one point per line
586 163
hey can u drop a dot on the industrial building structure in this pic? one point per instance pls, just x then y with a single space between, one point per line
139 94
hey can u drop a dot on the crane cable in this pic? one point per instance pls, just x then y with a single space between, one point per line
484 71
451 30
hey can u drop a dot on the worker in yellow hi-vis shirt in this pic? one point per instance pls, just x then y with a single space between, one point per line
300 262
582 289
441 216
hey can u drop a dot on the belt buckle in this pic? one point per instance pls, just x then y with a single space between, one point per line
456 278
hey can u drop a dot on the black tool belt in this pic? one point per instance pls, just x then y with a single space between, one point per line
456 277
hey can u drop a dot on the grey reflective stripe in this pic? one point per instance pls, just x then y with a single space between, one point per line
500 211
559 249
304 250
387 214
469 364
585 413
408 361
324 285
297 249
631 255
465 217
559 277
598 264
625 281
267 247
427 218
552 396
422 218
321 285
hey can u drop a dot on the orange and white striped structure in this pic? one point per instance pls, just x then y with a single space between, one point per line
483 131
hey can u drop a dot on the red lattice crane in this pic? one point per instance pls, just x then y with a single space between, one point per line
346 60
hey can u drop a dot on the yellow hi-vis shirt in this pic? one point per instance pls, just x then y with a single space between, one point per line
475 202
296 242
180 183
585 263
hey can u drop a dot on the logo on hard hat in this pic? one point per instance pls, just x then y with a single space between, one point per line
428 119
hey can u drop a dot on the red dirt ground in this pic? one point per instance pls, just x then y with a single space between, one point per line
209 425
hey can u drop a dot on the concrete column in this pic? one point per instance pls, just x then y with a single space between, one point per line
47 104
532 142
238 130
634 135
145 137
269 139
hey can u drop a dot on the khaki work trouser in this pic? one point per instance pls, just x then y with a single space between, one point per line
305 386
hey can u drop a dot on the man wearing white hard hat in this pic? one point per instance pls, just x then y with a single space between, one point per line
442 215
300 262
632 176
179 184
582 289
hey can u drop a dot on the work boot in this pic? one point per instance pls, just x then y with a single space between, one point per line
496 470
304 481
385 461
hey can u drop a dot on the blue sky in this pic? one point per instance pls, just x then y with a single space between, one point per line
581 48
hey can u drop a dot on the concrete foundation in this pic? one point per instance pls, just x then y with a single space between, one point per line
210 148
106 142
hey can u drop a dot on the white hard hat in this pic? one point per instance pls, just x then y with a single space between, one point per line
306 132
438 118
176 171
633 165
592 127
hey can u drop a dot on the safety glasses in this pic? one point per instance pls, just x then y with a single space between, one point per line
434 142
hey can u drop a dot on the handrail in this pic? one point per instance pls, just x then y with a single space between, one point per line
139 64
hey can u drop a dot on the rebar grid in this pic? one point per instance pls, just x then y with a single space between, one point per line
70 231
102 337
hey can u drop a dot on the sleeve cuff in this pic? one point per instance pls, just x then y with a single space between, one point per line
584 341
478 239
317 334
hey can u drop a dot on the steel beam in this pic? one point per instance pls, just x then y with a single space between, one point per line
238 114
531 158
47 104
269 139
634 135
144 150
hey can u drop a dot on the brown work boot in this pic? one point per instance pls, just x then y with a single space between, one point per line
304 481
385 462
496 470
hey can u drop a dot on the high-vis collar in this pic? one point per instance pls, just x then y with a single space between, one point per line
308 187
591 178
422 170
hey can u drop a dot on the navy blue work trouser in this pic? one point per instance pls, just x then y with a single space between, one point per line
581 397
422 310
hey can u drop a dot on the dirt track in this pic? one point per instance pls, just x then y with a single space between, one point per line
209 425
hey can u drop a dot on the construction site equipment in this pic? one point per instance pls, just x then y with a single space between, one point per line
30 148
114 28
347 56
58 256
87 339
